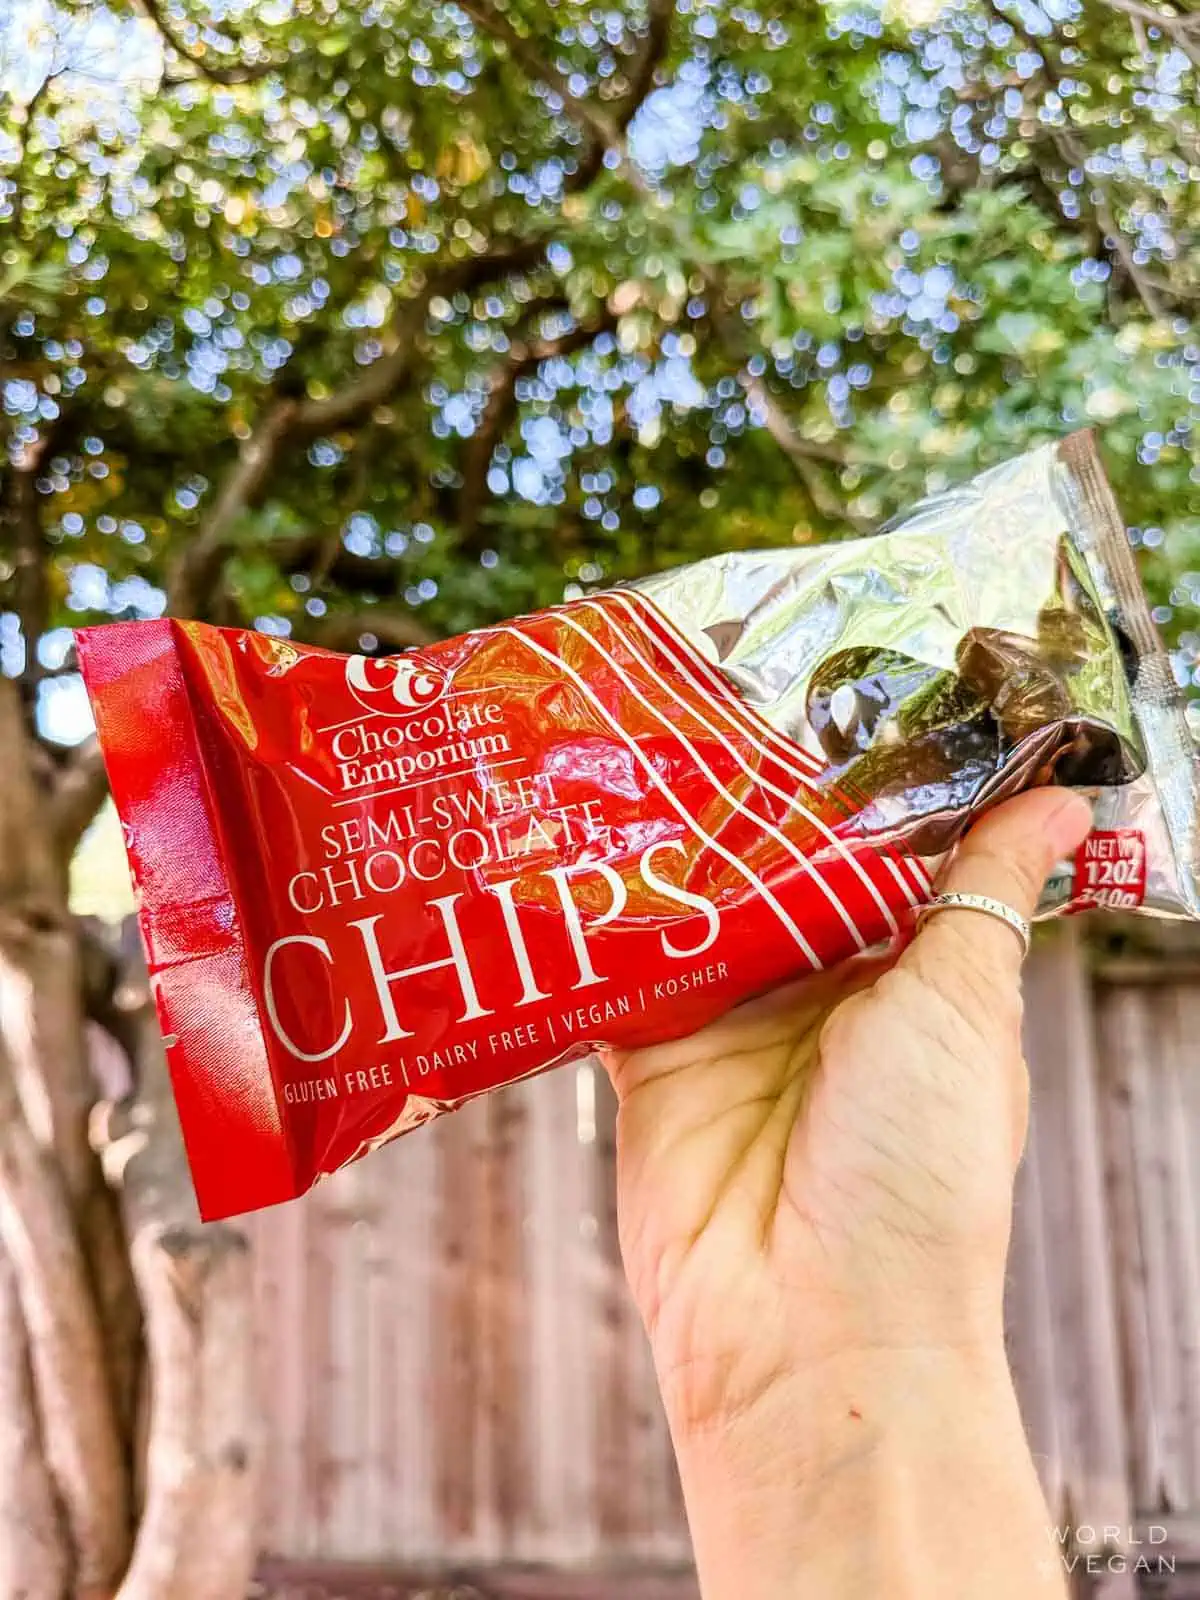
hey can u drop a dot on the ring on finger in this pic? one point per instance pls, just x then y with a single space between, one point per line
985 904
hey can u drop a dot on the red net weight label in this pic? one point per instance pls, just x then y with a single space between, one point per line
1110 870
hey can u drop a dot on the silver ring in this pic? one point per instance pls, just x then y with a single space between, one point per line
985 903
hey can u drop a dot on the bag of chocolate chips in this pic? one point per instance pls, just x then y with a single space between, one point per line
372 888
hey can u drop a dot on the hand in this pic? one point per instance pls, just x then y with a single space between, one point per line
815 1199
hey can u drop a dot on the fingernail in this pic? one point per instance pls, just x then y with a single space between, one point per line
1069 822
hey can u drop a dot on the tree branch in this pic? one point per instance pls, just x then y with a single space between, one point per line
288 422
524 357
360 475
804 454
660 15
228 76
1148 13
364 574
194 1284
190 585
610 134
20 514
1183 31
807 456
32 106
105 1000
36 1560
1075 154
30 597
525 53
783 430
354 403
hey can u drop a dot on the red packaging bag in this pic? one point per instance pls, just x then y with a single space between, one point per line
370 889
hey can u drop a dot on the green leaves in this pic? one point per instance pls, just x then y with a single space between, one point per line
836 260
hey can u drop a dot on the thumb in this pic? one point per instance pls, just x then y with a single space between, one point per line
1006 856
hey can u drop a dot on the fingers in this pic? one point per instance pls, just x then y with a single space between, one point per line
1007 856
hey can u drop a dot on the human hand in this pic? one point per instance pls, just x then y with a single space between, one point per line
815 1199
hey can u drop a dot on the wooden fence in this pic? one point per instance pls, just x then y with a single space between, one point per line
453 1376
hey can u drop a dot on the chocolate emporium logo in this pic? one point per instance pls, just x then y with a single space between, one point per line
395 686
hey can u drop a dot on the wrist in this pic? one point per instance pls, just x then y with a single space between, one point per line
898 1472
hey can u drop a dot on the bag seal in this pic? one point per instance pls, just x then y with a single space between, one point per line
239 1147
1099 531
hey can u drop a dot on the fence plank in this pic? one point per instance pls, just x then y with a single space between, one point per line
407 1177
1181 1139
618 1499
459 1345
380 1369
315 1336
561 1259
293 1580
640 1511
1073 1248
506 1397
1151 1167
271 1281
1137 1269
286 1371
348 1217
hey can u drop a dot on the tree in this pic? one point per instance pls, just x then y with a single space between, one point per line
374 319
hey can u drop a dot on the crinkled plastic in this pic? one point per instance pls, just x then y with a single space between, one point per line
371 889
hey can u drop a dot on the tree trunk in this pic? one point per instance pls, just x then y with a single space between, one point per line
110 1287
49 1177
196 1538
66 1351
33 1555
197 1533
45 1029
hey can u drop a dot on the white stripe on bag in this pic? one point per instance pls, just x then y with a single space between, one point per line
790 751
767 827
744 718
678 807
780 794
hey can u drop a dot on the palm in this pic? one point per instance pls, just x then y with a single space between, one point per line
810 1164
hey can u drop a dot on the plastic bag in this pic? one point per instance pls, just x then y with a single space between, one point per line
371 889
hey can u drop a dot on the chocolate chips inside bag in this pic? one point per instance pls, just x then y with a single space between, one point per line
993 639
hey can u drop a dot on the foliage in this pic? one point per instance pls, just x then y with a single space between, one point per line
373 319
376 319
389 316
